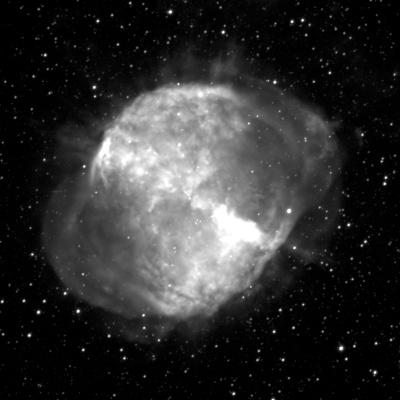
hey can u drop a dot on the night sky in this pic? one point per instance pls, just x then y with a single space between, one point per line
330 328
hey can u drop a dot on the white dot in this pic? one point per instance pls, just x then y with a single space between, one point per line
289 211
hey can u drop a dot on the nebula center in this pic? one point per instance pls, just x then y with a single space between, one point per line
192 190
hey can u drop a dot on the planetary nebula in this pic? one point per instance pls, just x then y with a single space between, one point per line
190 193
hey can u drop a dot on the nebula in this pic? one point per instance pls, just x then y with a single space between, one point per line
190 193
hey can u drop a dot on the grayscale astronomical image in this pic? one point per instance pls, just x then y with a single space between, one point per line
200 199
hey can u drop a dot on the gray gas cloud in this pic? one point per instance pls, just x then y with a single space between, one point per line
193 188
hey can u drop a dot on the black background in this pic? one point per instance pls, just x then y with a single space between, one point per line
334 333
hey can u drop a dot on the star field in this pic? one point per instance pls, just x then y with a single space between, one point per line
327 327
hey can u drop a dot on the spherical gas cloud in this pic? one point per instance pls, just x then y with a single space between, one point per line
192 190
